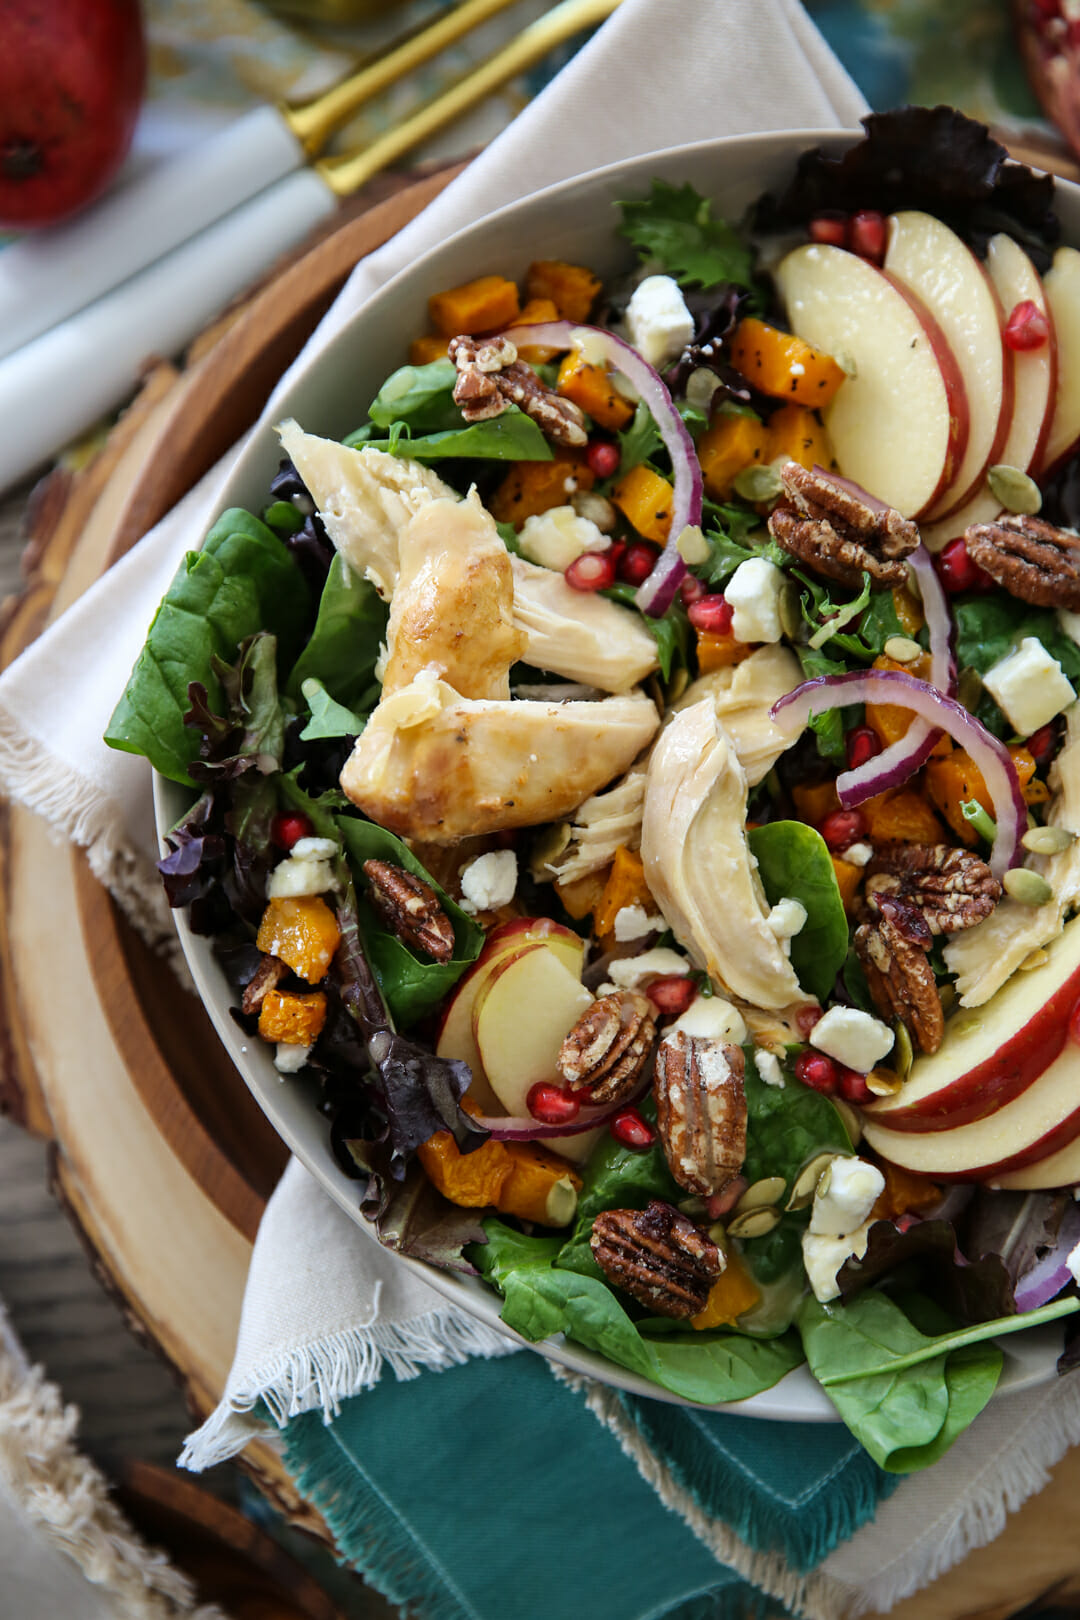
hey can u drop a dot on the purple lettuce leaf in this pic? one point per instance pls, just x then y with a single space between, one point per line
972 1292
196 855
250 736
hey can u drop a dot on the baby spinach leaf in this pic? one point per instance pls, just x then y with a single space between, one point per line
344 645
329 719
787 1126
675 225
411 985
540 1301
513 436
422 396
831 724
616 1177
242 581
990 627
794 863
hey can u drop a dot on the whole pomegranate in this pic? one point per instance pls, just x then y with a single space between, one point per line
72 74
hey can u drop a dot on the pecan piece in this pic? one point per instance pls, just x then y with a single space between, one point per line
1033 561
838 535
898 972
666 1262
491 378
267 976
410 908
608 1049
952 888
701 1110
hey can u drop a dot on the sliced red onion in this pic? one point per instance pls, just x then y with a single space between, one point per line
512 1128
896 687
1051 1274
852 488
656 595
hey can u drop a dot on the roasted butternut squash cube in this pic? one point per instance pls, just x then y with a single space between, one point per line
889 720
733 1292
532 487
955 779
626 886
848 878
516 1178
902 815
815 800
423 350
291 1019
592 389
718 651
796 434
573 289
582 896
537 311
734 441
902 1192
482 305
645 500
782 365
303 933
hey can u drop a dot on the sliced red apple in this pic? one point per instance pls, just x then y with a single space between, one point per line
932 262
991 1054
1060 1169
1040 1122
1016 281
1062 283
899 424
530 1003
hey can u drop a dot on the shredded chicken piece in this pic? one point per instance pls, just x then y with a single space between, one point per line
600 826
579 635
742 695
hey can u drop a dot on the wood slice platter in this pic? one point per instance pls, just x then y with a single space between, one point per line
161 1157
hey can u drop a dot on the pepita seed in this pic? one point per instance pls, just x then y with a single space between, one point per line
903 1051
692 545
805 1183
850 1118
1014 489
1047 840
548 845
692 1207
1033 960
969 689
902 649
758 483
760 1194
883 1083
754 1223
701 385
1027 887
718 1234
678 683
790 613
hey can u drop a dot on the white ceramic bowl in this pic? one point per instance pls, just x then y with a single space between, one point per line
576 221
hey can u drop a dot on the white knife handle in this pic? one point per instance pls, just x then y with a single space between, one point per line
56 387
48 275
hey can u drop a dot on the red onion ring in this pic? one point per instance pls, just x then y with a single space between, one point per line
514 1128
893 686
656 595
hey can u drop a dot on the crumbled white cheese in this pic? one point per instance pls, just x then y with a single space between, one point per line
629 971
634 922
787 918
714 1018
859 854
289 1059
824 1256
489 882
1029 686
853 1038
314 849
768 1067
556 538
1070 623
845 1195
754 592
307 870
1072 1259
658 323
595 508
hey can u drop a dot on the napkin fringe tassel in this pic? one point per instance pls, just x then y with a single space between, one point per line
318 1377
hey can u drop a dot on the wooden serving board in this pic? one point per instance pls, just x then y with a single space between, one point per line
160 1156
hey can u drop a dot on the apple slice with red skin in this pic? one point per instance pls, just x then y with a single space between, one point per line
1036 1124
529 1005
931 261
1062 284
991 1054
1060 1169
899 423
1016 281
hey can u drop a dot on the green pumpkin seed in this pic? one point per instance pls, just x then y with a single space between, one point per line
692 546
547 846
701 385
758 483
754 1223
883 1083
761 1194
790 612
805 1183
693 1207
1014 489
718 1234
902 649
1027 887
903 1053
1047 840
969 689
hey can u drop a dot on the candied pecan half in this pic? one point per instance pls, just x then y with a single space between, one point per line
898 972
838 535
952 888
608 1049
491 378
410 908
701 1110
1034 561
666 1262
267 976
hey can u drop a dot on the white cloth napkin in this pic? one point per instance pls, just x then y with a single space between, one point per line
661 72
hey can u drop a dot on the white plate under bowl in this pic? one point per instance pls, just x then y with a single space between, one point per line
575 221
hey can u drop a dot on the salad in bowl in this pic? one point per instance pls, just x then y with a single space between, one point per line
631 781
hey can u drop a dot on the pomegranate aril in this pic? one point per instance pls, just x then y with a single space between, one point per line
1041 743
631 1131
1027 327
818 1072
671 994
712 614
723 1202
636 562
853 1087
843 828
807 1016
868 235
959 572
551 1105
288 827
692 590
592 571
861 744
832 229
603 458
